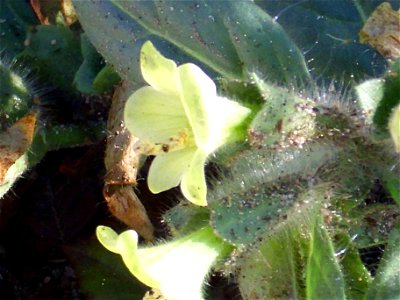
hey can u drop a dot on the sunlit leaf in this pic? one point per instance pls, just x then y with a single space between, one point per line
217 34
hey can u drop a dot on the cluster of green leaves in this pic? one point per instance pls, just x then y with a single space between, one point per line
43 69
303 257
286 43
59 54
37 59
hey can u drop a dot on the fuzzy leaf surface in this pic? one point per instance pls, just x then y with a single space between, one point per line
323 268
386 283
356 275
16 17
218 34
55 52
327 33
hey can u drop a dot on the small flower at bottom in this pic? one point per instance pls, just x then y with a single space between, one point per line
177 268
182 112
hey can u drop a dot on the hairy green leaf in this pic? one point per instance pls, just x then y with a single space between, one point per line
55 52
324 277
273 269
357 277
386 283
16 95
219 34
327 33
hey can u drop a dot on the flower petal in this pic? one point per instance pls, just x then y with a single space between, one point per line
161 73
394 127
108 238
198 95
223 117
190 258
155 116
167 169
193 184
125 244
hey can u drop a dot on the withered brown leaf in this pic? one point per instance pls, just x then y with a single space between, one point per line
382 31
15 141
121 161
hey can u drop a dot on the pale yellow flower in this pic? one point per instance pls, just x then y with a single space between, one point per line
177 268
182 111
